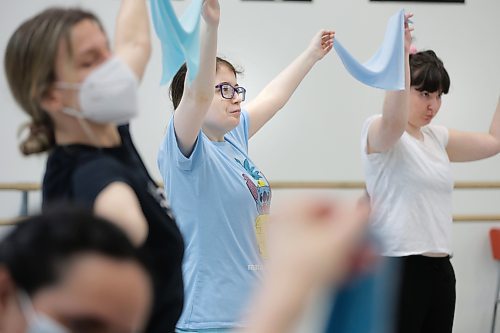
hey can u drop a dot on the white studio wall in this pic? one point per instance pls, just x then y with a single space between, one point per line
316 136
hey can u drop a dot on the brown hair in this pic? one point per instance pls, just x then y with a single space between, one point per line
29 63
177 86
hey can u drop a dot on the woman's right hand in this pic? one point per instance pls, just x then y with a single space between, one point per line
211 12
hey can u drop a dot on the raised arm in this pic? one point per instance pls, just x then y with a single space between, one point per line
197 96
132 37
468 146
275 95
386 131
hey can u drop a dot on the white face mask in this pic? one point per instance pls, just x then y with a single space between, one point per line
107 95
37 322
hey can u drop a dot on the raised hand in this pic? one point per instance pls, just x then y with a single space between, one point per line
408 31
321 44
211 12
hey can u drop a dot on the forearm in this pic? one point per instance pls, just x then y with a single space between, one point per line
281 88
198 94
396 104
469 146
384 132
132 37
202 87
277 93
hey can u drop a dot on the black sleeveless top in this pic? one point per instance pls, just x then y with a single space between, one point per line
78 173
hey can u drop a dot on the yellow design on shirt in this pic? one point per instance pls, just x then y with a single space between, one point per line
260 233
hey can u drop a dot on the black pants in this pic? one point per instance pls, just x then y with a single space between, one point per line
427 295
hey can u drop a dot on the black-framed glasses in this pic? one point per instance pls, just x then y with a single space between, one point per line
227 91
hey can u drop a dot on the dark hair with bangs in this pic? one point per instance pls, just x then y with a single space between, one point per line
177 85
428 72
37 250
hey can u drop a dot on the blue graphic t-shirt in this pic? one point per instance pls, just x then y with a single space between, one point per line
220 201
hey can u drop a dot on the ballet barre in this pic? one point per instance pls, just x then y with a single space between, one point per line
26 187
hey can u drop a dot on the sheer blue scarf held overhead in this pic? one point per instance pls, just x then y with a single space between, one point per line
180 38
180 42
386 68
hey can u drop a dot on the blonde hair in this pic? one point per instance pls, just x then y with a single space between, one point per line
29 63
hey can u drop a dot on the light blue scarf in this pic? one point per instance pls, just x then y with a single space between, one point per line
386 68
180 39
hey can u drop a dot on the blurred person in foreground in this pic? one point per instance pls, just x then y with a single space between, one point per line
58 271
69 271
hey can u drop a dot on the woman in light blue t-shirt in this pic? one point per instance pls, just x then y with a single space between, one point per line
220 198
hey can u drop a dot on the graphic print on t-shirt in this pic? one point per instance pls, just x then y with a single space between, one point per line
261 192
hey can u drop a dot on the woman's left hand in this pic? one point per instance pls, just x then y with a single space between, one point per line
321 44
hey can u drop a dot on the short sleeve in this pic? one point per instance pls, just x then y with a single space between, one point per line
441 133
94 176
170 152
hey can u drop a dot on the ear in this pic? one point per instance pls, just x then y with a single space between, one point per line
52 101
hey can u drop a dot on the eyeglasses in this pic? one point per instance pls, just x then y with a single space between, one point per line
227 91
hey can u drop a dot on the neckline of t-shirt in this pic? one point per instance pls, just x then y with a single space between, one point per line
215 143
423 141
218 143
